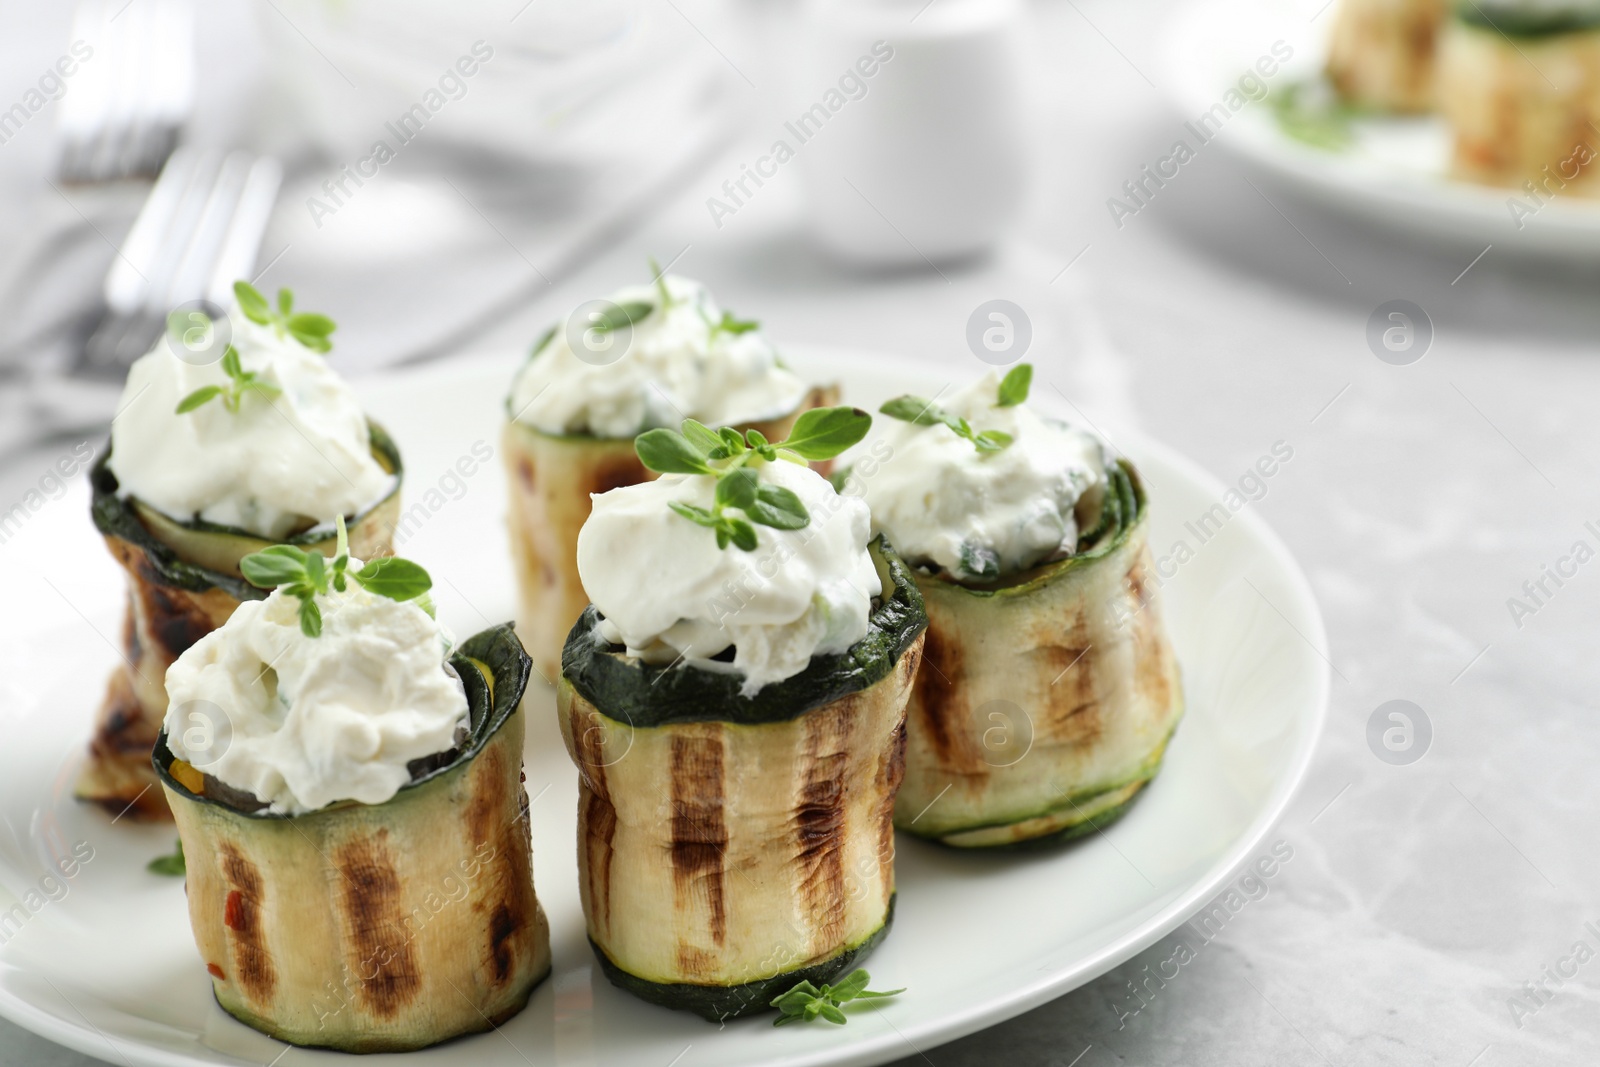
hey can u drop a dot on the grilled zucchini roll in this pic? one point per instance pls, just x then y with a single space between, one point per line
648 357
736 714
351 811
1519 85
271 447
1381 53
1048 689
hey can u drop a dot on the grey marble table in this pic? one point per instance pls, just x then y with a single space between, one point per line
1429 909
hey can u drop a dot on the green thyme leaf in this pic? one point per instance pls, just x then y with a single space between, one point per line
252 303
741 533
703 437
660 277
205 394
310 617
730 325
823 433
172 865
544 339
395 578
1014 386
737 488
991 440
274 566
307 327
667 452
693 513
778 507
806 1002
617 316
920 412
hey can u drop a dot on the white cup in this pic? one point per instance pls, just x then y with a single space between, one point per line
930 162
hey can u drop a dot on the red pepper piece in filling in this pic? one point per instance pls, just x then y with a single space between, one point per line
233 911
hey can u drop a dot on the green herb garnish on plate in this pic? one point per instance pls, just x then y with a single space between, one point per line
170 865
806 1002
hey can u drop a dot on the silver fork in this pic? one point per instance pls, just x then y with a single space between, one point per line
130 100
197 233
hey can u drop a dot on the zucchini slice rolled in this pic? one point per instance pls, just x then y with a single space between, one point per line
729 847
1381 53
551 477
1520 90
183 582
382 927
1045 702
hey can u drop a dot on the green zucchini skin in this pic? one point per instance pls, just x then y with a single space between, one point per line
1522 20
652 695
720 1003
173 601
1069 665
385 927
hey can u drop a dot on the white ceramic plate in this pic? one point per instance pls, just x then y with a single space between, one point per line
110 967
1395 173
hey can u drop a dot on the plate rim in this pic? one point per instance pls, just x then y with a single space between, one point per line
884 1047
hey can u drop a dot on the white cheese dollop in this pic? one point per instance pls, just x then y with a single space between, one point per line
275 466
666 590
675 367
935 494
301 722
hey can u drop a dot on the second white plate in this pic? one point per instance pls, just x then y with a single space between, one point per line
1396 172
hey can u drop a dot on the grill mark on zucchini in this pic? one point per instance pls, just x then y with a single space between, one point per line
619 470
939 697
385 964
890 774
599 827
174 619
502 925
252 960
819 820
699 839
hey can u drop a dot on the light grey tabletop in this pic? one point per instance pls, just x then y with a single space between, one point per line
1421 900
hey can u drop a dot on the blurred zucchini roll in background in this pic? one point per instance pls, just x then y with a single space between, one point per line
1519 85
1381 53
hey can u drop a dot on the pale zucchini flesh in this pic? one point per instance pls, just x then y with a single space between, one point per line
1381 52
383 927
1042 700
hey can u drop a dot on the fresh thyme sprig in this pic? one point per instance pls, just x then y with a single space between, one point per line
305 574
240 382
919 412
308 327
806 1002
727 454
